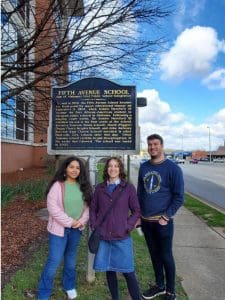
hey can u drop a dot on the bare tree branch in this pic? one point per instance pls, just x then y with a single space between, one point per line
105 36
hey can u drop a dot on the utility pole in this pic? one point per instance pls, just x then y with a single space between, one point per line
182 146
210 153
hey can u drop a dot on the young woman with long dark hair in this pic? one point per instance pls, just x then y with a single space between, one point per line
68 198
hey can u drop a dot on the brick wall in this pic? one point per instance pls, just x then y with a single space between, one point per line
16 156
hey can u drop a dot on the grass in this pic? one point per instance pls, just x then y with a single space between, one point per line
32 190
23 284
211 216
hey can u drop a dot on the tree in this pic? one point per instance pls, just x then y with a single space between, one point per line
61 41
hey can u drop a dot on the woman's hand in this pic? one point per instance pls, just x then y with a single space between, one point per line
76 224
138 223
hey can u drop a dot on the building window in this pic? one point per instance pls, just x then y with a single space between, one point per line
8 40
22 120
24 10
22 57
14 2
8 128
15 122
23 7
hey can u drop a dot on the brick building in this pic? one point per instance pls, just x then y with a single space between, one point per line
24 117
219 153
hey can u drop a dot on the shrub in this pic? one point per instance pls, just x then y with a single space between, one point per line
32 190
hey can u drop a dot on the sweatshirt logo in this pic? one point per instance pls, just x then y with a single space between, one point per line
152 182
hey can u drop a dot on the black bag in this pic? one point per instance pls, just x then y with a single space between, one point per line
94 240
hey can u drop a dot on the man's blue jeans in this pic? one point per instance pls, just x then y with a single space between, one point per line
60 248
159 239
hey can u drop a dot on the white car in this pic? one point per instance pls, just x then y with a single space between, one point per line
180 160
218 160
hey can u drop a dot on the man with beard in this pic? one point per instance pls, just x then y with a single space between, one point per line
160 193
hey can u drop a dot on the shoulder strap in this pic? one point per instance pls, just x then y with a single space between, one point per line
112 205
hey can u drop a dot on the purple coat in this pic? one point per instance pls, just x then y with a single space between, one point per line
123 216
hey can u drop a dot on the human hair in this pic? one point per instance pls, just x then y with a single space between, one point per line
82 179
122 174
155 136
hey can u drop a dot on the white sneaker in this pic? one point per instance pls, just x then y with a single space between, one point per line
72 294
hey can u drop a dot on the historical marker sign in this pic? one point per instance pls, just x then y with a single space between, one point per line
93 114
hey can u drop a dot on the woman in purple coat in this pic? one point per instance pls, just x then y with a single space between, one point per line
115 253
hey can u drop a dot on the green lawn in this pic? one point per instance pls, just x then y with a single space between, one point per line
24 283
211 216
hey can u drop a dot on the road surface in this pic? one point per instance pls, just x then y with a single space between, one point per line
206 181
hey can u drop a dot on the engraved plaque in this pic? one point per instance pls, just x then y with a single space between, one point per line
93 114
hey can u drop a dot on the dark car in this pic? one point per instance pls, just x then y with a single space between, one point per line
193 161
204 159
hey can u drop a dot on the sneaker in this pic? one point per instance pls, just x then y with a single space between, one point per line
153 292
72 294
169 296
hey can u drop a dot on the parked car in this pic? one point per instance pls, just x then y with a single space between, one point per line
204 159
180 160
193 161
218 160
177 161
172 159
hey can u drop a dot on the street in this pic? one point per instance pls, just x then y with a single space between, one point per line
214 172
206 181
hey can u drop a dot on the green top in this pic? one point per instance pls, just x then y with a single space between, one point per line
73 200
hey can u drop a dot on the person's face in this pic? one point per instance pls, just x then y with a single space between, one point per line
155 148
113 169
73 170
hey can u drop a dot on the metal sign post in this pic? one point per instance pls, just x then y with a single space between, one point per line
92 171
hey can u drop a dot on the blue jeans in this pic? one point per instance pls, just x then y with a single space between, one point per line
59 248
159 240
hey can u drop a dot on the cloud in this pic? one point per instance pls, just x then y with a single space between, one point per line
215 80
187 12
218 117
157 111
217 126
193 54
176 128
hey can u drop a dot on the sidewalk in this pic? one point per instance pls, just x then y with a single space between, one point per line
200 257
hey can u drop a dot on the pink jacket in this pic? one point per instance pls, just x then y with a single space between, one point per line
58 219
